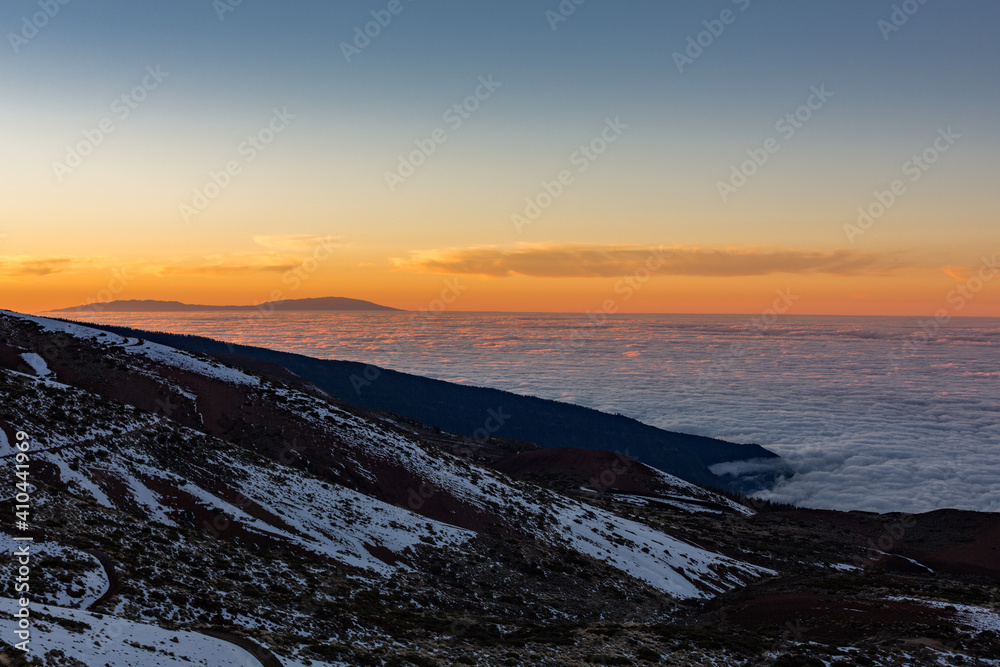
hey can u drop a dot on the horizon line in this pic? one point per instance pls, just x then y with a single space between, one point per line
432 314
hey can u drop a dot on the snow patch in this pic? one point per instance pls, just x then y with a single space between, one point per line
152 351
844 567
81 592
37 364
116 642
980 619
188 362
666 563
695 492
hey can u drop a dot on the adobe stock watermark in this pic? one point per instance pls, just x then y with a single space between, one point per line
295 277
31 25
894 529
119 281
223 7
892 533
364 34
758 324
697 44
914 168
786 126
450 293
247 151
582 158
625 288
899 17
24 553
121 108
958 298
562 12
495 419
607 479
454 117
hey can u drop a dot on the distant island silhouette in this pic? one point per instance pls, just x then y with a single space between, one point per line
155 306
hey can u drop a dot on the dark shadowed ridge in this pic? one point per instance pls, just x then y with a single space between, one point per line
154 306
479 411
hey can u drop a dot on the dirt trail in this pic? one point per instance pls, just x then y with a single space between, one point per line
264 655
109 570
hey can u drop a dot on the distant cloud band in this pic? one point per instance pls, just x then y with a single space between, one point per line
605 261
15 267
286 252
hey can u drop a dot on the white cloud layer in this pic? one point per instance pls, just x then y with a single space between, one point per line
821 391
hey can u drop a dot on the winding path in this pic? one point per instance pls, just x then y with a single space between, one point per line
109 570
264 655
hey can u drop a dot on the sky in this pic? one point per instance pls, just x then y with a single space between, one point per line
521 156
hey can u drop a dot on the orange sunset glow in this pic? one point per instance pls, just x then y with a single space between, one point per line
148 177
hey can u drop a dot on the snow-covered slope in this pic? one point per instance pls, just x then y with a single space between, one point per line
339 522
152 351
691 495
69 577
669 564
264 500
99 640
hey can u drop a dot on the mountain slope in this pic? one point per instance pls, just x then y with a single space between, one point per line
186 510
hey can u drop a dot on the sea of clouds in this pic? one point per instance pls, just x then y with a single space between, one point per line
864 420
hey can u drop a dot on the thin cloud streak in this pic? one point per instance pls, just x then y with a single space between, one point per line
606 261
229 265
24 266
286 252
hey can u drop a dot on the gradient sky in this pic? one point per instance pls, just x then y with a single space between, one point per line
313 215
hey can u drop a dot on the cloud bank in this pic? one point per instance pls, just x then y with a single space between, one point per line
221 265
823 392
606 261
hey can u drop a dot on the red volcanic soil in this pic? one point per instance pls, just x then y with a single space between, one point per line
10 357
967 542
947 541
832 618
599 470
